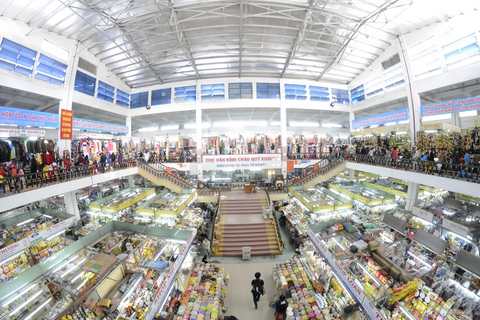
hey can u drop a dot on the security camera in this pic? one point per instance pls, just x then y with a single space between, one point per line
148 107
332 104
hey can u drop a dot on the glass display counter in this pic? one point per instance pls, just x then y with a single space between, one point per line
362 193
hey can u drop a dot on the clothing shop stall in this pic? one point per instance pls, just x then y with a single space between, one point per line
118 271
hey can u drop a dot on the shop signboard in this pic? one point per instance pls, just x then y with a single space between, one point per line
131 201
393 116
242 161
399 193
422 213
466 197
91 125
66 130
457 228
347 281
451 106
13 249
302 200
50 231
168 281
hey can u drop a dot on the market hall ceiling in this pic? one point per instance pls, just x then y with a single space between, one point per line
146 42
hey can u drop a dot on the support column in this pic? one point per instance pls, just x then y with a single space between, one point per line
412 195
283 133
199 138
131 181
351 174
128 123
71 205
66 104
413 97
351 117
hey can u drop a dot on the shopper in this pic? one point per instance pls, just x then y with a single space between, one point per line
280 307
258 288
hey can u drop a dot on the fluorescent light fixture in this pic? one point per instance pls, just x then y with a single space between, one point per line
83 197
26 221
170 127
240 124
61 266
105 189
81 284
331 125
374 126
32 138
161 251
130 291
437 117
205 125
369 135
148 129
430 131
46 215
420 260
56 234
459 236
370 275
143 219
402 132
17 309
18 295
448 213
177 241
404 122
30 316
81 273
338 243
472 113
150 196
303 124
275 123
390 124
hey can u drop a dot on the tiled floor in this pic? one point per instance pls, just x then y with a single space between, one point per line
239 301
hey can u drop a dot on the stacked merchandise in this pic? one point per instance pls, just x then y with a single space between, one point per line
304 301
298 217
192 218
205 293
19 231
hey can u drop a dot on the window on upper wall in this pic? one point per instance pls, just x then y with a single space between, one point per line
374 87
340 96
51 70
357 94
393 78
240 90
268 90
212 91
85 83
162 96
295 92
461 52
319 93
427 65
139 100
105 91
185 94
123 99
16 57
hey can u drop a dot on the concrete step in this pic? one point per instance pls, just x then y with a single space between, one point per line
238 253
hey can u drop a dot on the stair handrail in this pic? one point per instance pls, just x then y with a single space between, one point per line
158 172
320 171
214 219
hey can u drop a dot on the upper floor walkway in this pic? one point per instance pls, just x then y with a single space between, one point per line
28 188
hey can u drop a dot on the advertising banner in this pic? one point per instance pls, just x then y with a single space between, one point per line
21 117
451 106
343 276
66 130
242 161
91 125
393 116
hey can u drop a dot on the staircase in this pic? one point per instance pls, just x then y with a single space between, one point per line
242 224
321 172
163 176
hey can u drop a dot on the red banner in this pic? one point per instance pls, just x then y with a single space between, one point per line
66 124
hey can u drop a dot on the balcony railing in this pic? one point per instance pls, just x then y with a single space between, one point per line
443 169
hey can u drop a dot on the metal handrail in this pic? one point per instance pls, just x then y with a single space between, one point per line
320 171
162 173
31 181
